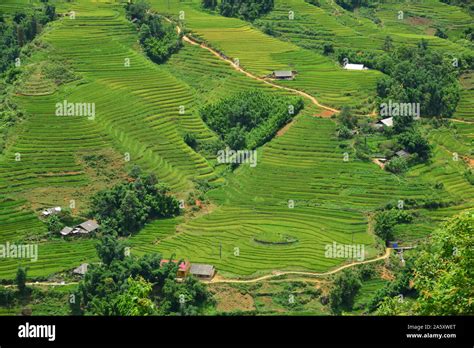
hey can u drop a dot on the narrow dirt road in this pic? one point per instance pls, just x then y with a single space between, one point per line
248 74
218 279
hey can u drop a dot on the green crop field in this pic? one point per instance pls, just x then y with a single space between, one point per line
332 192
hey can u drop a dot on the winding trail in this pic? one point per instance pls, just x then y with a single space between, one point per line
248 74
218 279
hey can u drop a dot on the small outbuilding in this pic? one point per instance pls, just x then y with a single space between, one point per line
349 66
87 227
183 268
202 271
283 75
66 231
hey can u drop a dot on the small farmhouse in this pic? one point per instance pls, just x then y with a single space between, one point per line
283 75
86 227
66 230
355 67
202 271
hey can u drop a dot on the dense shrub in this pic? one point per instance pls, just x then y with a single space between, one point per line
126 207
251 118
397 165
245 9
385 222
344 289
158 38
23 28
414 142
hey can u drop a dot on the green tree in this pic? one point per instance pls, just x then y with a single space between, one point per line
444 269
387 44
110 248
346 118
414 142
397 165
328 48
54 224
20 280
209 4
345 287
135 301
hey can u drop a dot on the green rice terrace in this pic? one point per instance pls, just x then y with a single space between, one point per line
311 186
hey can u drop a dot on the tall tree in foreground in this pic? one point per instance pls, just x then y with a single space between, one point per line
443 273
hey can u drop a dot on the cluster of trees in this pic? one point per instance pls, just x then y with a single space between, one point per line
244 9
23 27
127 286
353 4
345 287
15 32
158 38
421 75
347 122
8 296
126 207
386 220
439 277
463 3
251 118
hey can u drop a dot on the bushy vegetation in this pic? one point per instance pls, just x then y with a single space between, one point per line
158 38
244 9
251 118
126 208
15 33
345 286
421 75
385 222
23 28
439 276
352 4
130 286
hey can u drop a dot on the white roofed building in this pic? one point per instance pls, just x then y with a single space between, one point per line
355 67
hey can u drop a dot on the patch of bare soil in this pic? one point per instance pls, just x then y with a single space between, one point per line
231 299
325 113
386 274
422 21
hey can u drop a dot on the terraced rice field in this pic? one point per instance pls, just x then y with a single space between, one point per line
137 114
261 54
313 25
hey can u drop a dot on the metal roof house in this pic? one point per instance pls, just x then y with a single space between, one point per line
349 66
85 228
88 226
202 271
283 75
66 230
